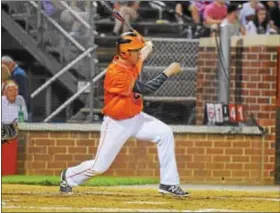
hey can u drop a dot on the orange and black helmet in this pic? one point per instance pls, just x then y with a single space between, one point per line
129 41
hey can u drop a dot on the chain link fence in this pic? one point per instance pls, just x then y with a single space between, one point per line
166 51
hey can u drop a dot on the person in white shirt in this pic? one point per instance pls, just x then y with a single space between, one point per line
251 5
11 103
260 23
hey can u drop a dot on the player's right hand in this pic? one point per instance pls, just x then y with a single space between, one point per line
172 69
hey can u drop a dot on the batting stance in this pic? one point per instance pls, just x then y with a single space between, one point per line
123 118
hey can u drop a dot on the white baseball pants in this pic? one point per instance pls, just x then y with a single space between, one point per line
114 134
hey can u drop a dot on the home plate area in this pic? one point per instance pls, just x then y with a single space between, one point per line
29 198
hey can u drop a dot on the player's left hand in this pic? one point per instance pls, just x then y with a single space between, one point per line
146 50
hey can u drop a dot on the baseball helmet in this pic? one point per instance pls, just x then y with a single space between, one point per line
129 41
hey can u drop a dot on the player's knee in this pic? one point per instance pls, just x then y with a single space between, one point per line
166 131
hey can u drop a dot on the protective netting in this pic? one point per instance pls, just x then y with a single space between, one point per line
166 51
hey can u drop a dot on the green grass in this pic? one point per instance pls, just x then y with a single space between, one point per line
95 181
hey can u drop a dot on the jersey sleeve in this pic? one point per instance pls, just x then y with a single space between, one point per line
119 82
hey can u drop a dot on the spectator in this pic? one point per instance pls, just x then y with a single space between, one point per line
252 5
182 8
20 77
129 13
215 13
5 75
12 103
274 13
197 8
232 19
52 8
260 23
56 10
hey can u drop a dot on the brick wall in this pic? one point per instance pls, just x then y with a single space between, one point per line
208 158
253 79
253 76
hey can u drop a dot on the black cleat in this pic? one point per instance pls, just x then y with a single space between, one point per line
172 189
64 186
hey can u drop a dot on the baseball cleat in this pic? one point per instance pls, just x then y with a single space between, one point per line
172 189
64 186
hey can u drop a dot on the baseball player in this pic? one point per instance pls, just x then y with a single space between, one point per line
123 118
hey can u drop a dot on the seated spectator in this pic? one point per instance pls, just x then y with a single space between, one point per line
52 8
247 8
129 13
260 23
12 103
182 8
274 14
215 13
197 8
19 76
232 19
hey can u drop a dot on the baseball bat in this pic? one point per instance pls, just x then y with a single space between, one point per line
117 15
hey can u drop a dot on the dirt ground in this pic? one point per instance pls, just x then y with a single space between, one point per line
28 198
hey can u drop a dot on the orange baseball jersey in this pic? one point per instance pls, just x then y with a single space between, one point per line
120 102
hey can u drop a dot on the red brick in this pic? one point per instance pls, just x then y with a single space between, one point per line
240 159
243 144
209 165
62 157
263 85
55 150
252 151
82 157
226 144
221 158
240 173
46 157
78 150
59 135
36 165
195 165
234 166
234 151
195 150
142 172
202 158
65 142
86 142
183 158
252 56
37 150
56 165
252 166
221 173
204 143
180 151
44 142
215 151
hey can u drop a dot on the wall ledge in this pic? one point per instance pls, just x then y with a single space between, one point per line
245 41
58 127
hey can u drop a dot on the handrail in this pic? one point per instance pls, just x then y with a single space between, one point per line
51 20
80 19
63 70
58 110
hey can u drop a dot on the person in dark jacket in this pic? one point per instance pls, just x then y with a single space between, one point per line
20 77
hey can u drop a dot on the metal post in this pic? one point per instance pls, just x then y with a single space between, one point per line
39 24
223 65
91 64
48 101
